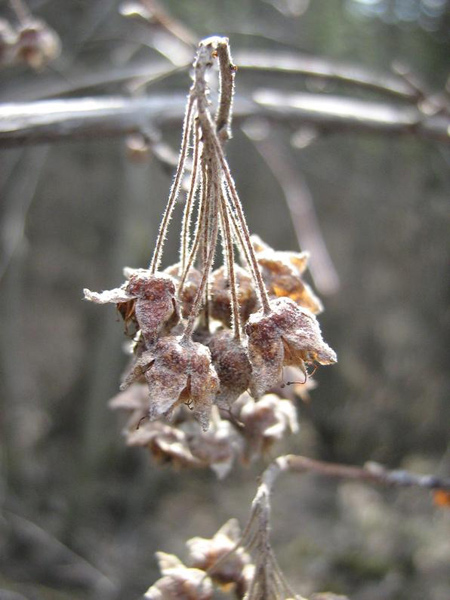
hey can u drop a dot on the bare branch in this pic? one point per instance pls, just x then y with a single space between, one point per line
371 473
326 70
114 116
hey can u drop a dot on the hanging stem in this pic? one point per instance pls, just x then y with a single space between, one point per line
212 240
190 199
229 256
187 126
237 207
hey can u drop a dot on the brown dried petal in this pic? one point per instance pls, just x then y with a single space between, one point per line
179 582
220 296
289 335
233 367
205 553
297 260
190 287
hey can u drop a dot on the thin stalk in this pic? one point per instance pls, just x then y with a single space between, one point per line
238 233
237 206
199 230
212 200
228 250
187 126
190 199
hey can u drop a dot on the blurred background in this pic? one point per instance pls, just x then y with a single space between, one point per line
81 515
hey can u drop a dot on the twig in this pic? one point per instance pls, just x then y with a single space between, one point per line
371 473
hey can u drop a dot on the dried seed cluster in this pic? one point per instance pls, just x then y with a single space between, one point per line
213 563
204 336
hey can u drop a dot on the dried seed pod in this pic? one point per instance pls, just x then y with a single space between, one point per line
148 300
265 422
167 444
179 582
217 447
205 553
232 365
156 307
281 272
220 296
288 335
37 43
190 287
177 371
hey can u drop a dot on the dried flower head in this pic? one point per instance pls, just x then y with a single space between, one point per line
288 335
177 371
220 299
218 447
179 582
232 365
264 422
191 283
147 300
37 43
282 271
204 554
167 444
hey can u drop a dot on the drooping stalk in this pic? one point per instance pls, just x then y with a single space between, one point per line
189 206
187 126
212 209
237 207
228 250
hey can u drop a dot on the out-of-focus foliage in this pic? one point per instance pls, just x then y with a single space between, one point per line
81 514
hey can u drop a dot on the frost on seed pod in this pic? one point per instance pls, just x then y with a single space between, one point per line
148 300
220 302
265 422
233 367
179 582
205 553
177 371
190 287
281 272
288 335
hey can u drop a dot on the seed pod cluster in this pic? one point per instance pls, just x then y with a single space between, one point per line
204 336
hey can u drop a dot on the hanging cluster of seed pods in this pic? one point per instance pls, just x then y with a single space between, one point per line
209 338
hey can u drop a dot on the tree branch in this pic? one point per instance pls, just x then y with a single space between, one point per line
115 116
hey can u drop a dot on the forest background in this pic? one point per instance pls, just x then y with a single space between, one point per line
82 515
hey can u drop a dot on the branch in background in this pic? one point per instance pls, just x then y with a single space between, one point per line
326 70
299 202
112 116
255 538
371 473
